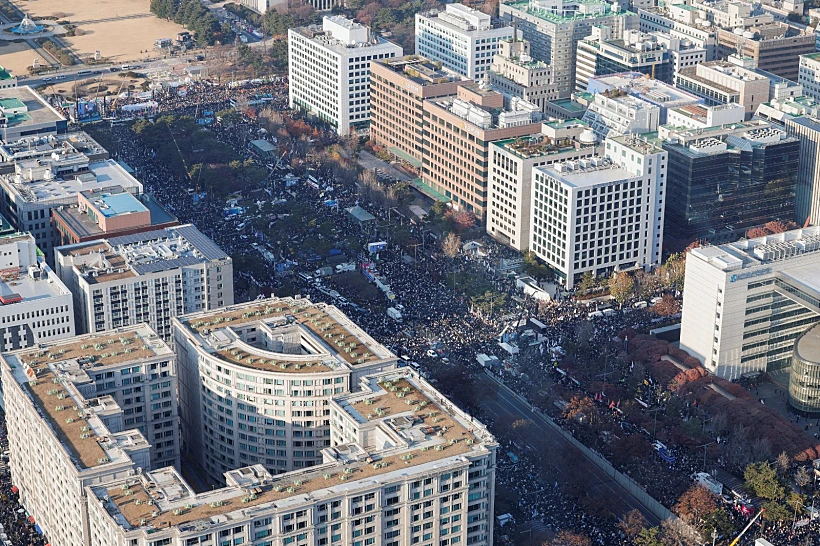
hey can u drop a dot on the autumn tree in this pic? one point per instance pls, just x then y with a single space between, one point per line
570 538
581 408
451 245
667 306
621 286
632 524
694 504
462 219
672 271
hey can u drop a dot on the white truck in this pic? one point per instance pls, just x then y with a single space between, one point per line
341 268
394 314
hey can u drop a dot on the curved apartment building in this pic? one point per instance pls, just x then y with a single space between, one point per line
256 380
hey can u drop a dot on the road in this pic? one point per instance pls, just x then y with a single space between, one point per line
619 500
369 161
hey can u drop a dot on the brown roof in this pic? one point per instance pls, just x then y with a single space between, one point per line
252 361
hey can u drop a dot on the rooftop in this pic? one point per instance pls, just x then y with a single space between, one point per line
753 252
5 74
87 228
295 336
587 172
423 430
572 10
31 280
50 373
38 111
807 347
45 145
141 253
115 204
420 70
645 88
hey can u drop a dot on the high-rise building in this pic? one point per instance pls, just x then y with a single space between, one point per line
600 55
725 180
554 28
148 277
807 191
517 74
809 75
722 82
397 88
64 435
459 131
329 68
745 303
804 376
509 206
287 359
602 214
23 112
613 112
774 47
682 22
403 466
35 305
649 90
39 185
461 38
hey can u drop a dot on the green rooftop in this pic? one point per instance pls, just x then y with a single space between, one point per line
5 74
812 56
558 18
11 103
569 105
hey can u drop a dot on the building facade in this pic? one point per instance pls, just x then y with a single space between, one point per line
461 38
515 73
146 277
804 379
809 75
35 305
329 71
725 180
554 28
645 88
753 299
775 47
459 132
807 191
509 192
722 82
600 55
256 380
614 112
398 87
602 214
389 478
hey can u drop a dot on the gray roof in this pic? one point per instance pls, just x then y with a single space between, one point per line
165 265
206 247
360 214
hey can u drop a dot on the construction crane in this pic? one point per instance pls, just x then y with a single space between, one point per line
743 532
117 97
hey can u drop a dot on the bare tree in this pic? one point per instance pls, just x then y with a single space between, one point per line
783 462
802 477
451 245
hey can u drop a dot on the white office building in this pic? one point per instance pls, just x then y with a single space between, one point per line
286 359
613 113
645 88
509 191
461 38
602 214
329 69
403 467
146 277
35 305
63 435
809 75
745 303
39 184
700 116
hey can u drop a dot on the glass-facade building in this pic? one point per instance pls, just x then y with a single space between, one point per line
804 382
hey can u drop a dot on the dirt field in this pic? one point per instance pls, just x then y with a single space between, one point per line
18 57
117 39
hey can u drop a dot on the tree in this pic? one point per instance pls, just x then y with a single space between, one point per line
763 481
667 307
783 463
694 504
675 534
672 271
802 477
649 536
621 286
451 245
569 538
463 219
632 524
587 282
718 520
581 408
776 511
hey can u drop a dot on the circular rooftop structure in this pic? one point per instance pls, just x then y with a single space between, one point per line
804 382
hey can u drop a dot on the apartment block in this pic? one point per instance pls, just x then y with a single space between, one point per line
23 112
725 180
754 298
461 38
62 435
602 214
554 28
397 88
600 55
459 131
109 212
329 71
515 73
286 359
614 112
405 467
509 206
723 82
39 185
35 305
146 277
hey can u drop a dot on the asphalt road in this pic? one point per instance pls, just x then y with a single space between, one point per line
618 499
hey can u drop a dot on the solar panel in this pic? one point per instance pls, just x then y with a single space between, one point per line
203 244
